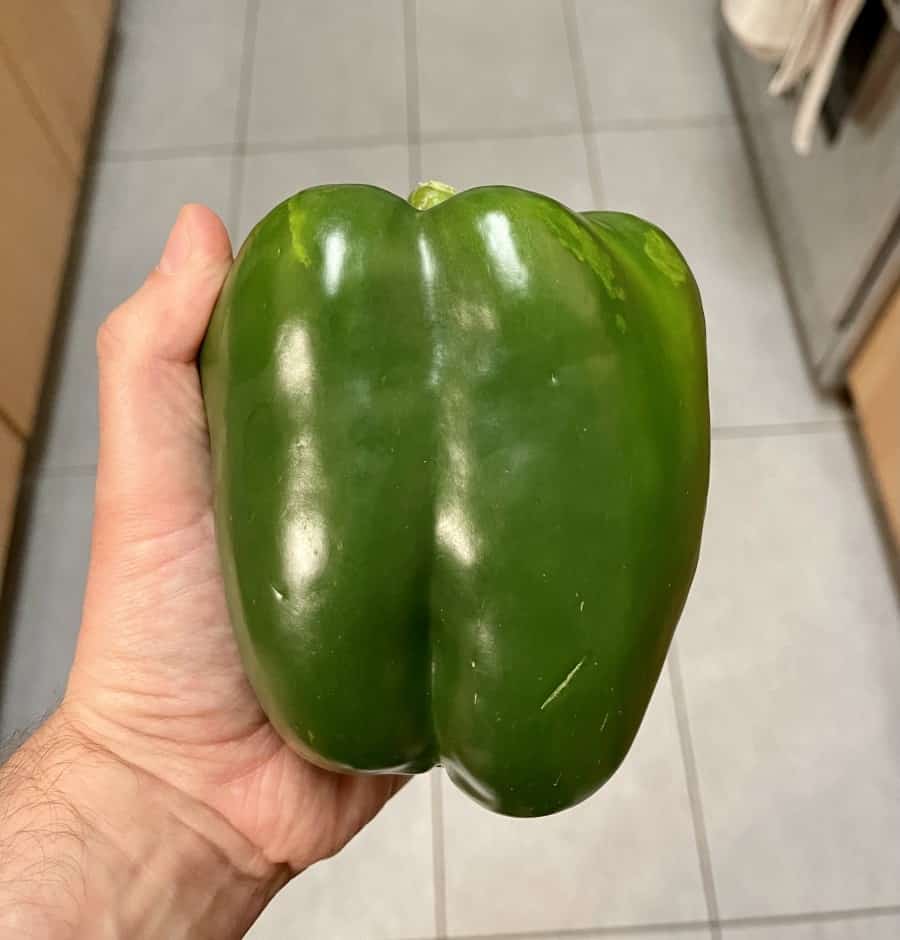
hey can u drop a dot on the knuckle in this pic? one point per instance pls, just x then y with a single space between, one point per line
118 332
109 337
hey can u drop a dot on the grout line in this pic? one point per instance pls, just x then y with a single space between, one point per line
692 780
676 927
245 82
438 856
501 133
583 97
631 930
812 917
242 114
150 154
325 143
635 930
697 122
413 114
463 135
798 428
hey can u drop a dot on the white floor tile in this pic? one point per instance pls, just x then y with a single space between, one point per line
790 653
625 856
378 888
503 64
175 74
651 61
854 928
44 622
328 70
669 932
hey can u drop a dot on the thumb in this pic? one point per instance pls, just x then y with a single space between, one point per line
153 462
167 317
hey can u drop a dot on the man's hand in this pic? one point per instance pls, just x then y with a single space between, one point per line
159 736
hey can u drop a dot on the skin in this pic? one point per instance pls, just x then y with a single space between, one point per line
158 801
461 459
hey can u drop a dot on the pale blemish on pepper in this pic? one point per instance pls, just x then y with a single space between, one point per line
586 249
559 689
665 257
296 222
621 325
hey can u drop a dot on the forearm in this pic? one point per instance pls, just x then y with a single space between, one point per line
91 847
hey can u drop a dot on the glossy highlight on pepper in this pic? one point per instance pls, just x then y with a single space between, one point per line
461 453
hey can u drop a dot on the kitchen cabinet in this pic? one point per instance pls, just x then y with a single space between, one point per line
51 63
12 451
874 379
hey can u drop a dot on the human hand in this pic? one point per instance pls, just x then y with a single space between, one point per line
157 685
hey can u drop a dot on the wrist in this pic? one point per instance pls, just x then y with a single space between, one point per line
90 846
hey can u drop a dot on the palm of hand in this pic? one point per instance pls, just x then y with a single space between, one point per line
157 677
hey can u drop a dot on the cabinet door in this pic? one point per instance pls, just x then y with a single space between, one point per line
875 384
37 193
11 452
57 49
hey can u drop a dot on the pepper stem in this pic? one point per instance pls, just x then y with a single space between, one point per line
429 194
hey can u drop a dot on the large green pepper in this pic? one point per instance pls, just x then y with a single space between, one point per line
461 453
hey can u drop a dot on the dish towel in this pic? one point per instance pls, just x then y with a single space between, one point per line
840 22
778 31
805 38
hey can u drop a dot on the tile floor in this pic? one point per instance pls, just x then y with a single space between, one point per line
761 798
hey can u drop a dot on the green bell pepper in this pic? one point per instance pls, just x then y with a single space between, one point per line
461 454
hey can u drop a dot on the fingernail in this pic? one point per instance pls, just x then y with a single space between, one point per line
178 246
